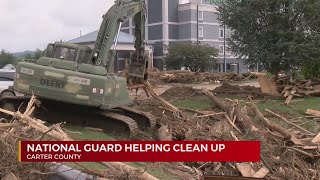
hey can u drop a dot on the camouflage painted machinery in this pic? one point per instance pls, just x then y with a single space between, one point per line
77 82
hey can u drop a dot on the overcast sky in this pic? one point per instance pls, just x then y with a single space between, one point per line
31 24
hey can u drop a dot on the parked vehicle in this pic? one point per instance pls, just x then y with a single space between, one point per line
6 80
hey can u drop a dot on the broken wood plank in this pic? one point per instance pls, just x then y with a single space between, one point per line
310 147
261 173
94 129
288 100
234 136
313 112
245 169
316 140
210 115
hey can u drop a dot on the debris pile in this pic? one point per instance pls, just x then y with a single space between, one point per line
290 88
24 127
179 92
288 151
181 76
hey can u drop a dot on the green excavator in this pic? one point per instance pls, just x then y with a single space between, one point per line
76 83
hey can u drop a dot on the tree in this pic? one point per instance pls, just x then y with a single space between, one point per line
6 58
38 54
28 56
35 55
278 34
194 56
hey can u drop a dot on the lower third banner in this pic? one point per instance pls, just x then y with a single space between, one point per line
139 151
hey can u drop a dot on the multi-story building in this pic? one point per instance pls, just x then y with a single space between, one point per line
172 21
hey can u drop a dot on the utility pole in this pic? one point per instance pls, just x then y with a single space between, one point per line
197 24
224 49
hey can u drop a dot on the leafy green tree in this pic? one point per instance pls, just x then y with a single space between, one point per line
38 54
278 34
28 56
194 56
6 58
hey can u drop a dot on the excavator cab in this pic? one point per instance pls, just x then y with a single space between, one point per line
68 52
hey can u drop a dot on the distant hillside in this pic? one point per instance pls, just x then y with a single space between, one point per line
21 55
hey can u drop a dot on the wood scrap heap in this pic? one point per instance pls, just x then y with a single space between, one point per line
288 150
182 76
290 88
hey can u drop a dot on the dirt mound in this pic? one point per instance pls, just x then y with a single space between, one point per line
226 88
178 92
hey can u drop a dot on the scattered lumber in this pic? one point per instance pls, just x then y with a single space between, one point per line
291 88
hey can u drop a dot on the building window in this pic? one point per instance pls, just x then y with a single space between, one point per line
221 33
183 1
221 49
200 32
200 15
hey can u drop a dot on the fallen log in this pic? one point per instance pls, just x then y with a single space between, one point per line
165 103
272 126
242 118
286 121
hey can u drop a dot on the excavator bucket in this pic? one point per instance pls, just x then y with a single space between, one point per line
137 71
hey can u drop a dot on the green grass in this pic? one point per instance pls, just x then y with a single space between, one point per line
81 134
195 103
296 107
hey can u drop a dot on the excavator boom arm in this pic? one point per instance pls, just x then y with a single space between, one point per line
120 12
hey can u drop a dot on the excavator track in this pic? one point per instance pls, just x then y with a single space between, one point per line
132 125
143 119
122 120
